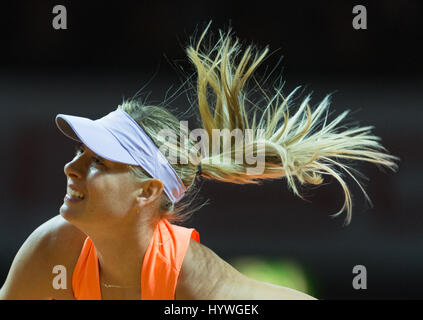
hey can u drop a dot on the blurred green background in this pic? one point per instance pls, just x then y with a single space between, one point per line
280 271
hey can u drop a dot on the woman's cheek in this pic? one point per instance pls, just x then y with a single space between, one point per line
110 200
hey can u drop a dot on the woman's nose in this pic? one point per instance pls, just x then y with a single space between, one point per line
73 169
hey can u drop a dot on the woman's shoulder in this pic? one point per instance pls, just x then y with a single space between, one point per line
54 240
61 244
202 272
51 250
59 237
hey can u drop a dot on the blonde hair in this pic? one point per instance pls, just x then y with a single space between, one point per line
295 148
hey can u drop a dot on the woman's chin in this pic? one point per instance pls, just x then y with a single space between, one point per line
70 214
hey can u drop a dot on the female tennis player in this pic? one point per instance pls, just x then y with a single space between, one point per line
116 236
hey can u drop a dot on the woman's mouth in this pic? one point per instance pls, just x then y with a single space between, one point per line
74 196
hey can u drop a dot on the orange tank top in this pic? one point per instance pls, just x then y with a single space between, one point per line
160 268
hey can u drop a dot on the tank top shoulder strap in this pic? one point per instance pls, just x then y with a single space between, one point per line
85 278
163 260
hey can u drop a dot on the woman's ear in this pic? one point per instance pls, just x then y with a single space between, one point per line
151 190
140 196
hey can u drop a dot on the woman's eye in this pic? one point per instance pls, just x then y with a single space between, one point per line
97 160
78 150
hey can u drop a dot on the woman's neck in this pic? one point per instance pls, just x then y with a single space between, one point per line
121 252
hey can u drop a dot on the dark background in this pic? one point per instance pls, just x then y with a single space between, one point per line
110 50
